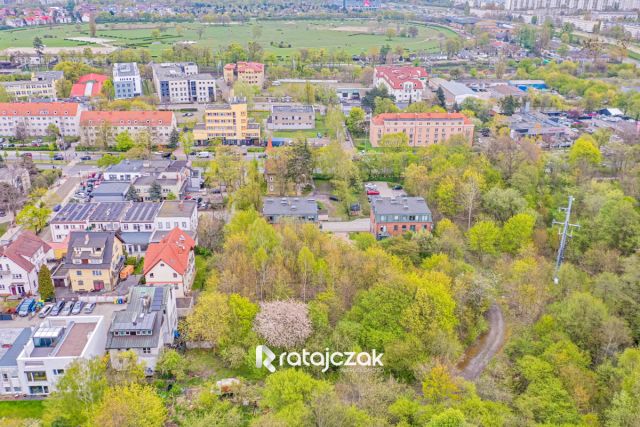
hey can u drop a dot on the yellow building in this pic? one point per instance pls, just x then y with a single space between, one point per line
246 72
94 260
228 122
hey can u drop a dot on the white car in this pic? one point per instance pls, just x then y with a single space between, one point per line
204 154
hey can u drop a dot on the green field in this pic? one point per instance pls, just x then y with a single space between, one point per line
353 35
21 409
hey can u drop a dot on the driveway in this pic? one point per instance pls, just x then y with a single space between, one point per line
478 356
105 310
357 225
386 191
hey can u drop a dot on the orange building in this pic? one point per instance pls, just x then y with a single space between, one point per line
246 72
422 128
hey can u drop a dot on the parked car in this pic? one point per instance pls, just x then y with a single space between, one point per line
27 155
66 311
58 156
85 157
204 154
88 309
37 141
166 155
26 306
373 192
334 198
57 207
397 187
46 310
77 307
3 212
57 308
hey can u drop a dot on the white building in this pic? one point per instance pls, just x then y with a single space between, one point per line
126 80
159 124
20 262
12 341
146 326
180 82
171 261
55 344
572 5
406 83
33 118
182 214
41 85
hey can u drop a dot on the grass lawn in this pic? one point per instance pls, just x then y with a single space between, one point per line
21 409
355 36
306 133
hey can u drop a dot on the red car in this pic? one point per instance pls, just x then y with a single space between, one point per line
373 192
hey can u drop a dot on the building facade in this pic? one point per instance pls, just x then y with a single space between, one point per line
229 123
423 129
126 80
277 209
20 263
406 83
12 341
572 5
171 261
180 82
246 72
94 260
41 85
294 117
159 124
33 118
393 216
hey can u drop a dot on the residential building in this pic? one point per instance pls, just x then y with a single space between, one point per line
277 209
246 72
171 261
228 123
393 216
12 341
54 345
572 5
406 83
159 124
149 323
111 192
88 86
422 128
20 262
72 217
16 177
126 80
291 117
94 260
137 226
180 82
42 85
169 188
182 214
33 118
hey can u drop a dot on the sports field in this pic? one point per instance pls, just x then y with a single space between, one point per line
279 37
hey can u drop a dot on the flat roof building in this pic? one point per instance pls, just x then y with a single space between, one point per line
181 82
126 80
292 117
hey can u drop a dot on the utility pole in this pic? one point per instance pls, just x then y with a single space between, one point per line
565 232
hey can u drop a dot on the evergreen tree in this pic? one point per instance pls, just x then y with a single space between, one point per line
174 139
442 101
155 191
45 284
131 195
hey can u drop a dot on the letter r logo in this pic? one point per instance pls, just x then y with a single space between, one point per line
262 351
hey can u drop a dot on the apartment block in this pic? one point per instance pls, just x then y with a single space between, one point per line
126 80
246 72
12 341
160 124
406 83
393 216
423 129
53 346
33 118
228 123
20 262
41 85
181 82
291 117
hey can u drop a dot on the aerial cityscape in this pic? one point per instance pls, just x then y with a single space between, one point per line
331 213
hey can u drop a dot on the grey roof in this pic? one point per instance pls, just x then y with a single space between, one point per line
399 205
176 71
111 189
75 212
158 235
294 206
126 166
16 338
126 69
136 238
175 208
144 312
141 212
177 166
457 89
292 109
149 179
49 75
90 239
108 211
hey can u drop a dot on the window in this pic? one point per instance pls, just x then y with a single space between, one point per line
175 275
79 273
151 275
36 376
97 273
184 225
146 350
58 371
5 377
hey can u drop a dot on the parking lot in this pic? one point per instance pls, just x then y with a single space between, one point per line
102 309
385 190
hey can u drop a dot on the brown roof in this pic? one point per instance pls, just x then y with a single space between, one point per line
173 249
132 118
76 339
23 248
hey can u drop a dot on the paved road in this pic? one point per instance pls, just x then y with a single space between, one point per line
478 356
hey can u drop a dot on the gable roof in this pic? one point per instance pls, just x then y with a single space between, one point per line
173 249
135 118
54 109
381 118
397 75
88 85
23 248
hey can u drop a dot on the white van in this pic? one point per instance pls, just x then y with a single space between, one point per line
204 154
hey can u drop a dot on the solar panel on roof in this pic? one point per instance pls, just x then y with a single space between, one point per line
158 299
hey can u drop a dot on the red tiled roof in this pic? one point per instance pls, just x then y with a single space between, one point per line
79 88
22 248
134 118
246 66
173 249
396 75
38 108
381 118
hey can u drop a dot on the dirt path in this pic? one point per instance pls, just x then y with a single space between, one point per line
478 356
